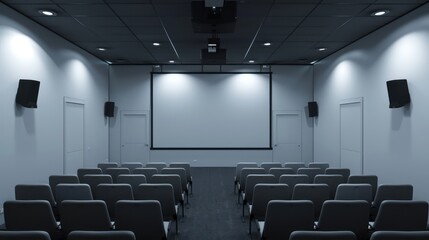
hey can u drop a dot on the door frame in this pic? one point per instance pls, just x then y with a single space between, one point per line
274 124
353 101
135 112
79 102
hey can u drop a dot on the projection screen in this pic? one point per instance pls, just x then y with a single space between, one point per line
211 110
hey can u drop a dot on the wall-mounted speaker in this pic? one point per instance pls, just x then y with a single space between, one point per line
109 109
28 91
398 93
313 110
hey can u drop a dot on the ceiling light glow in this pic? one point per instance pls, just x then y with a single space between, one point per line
101 49
47 12
156 44
171 61
321 49
379 13
267 44
251 61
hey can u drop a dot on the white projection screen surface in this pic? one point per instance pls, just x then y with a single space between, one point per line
211 110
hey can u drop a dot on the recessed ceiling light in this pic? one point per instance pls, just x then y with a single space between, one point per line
251 61
171 61
313 62
101 49
47 12
321 49
267 44
156 44
379 13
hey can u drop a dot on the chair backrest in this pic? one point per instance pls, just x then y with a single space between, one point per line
132 165
34 192
357 191
179 171
345 215
292 179
402 215
147 172
143 217
322 235
24 235
345 172
69 191
268 165
186 166
30 215
393 192
101 235
321 165
88 215
106 165
332 180
400 235
133 179
115 172
242 165
317 193
277 172
294 165
82 171
111 193
265 192
299 217
310 172
369 179
162 192
54 180
246 171
252 180
390 192
172 179
158 165
94 179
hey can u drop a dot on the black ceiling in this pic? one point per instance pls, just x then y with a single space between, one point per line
295 28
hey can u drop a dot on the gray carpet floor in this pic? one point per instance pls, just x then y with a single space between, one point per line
213 212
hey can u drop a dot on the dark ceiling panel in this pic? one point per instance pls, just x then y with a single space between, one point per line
94 10
291 10
295 28
134 10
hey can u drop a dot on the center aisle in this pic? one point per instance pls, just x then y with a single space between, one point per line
212 212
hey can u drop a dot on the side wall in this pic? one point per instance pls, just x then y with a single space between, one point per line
395 140
31 140
292 88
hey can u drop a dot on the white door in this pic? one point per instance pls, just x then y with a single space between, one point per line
134 136
351 132
287 136
74 132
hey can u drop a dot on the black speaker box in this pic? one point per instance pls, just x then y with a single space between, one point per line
109 109
28 91
398 93
313 110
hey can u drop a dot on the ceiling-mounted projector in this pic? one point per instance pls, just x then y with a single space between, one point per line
217 16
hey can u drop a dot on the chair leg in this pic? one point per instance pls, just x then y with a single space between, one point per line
187 196
183 209
238 196
250 224
244 203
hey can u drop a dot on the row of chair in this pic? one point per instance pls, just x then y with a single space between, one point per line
295 235
285 216
145 218
341 174
138 168
318 194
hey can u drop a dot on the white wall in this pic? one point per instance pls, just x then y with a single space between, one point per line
31 140
130 90
395 140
